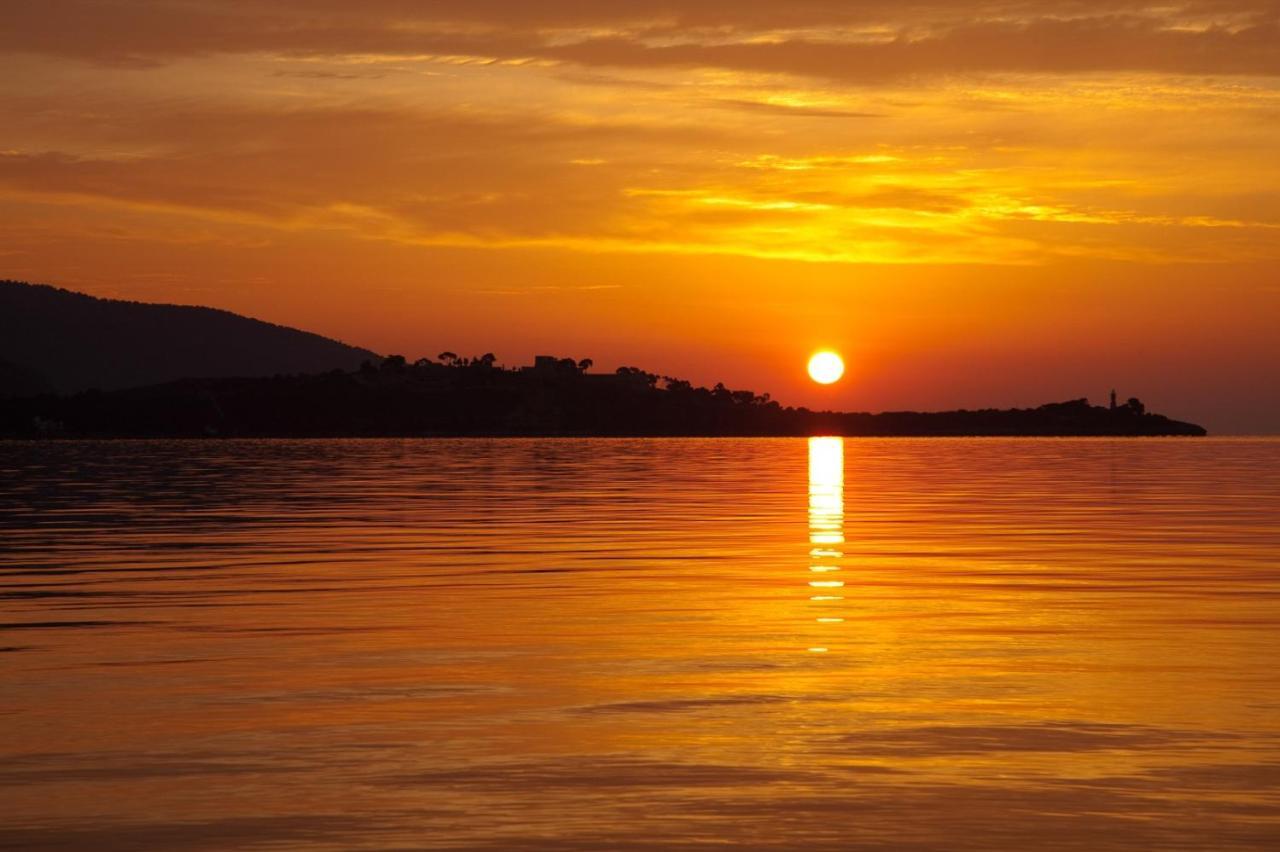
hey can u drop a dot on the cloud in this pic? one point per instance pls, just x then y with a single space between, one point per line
430 177
794 110
1111 43
853 143
839 41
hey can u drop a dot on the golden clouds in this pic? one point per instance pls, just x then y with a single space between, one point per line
825 38
659 163
821 137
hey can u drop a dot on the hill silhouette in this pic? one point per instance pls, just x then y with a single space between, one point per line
556 396
67 342
17 380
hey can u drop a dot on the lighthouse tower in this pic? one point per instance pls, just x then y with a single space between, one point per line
1113 399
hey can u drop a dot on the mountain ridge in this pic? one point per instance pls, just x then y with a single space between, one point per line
71 342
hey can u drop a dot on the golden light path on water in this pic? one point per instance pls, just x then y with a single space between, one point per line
826 527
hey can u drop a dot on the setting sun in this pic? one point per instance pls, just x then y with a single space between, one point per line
514 297
826 368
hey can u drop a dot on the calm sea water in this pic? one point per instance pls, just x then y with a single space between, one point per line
640 644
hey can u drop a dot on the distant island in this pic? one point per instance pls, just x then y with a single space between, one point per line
454 396
73 365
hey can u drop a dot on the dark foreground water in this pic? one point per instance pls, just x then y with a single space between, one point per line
640 644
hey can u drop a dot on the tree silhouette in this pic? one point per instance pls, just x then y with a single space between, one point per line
675 385
650 379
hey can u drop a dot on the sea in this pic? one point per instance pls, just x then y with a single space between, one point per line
564 644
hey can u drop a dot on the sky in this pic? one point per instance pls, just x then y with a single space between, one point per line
977 203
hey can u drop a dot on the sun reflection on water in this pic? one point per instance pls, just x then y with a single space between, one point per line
826 521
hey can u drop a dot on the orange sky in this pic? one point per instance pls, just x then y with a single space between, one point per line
978 203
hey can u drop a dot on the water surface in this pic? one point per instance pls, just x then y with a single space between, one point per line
640 644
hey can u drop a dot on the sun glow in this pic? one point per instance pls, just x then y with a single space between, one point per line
826 367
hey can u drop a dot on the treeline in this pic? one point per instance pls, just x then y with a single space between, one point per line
459 396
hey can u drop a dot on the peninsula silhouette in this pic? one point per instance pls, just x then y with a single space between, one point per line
456 396
79 366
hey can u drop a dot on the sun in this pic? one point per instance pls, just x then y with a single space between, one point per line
826 367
